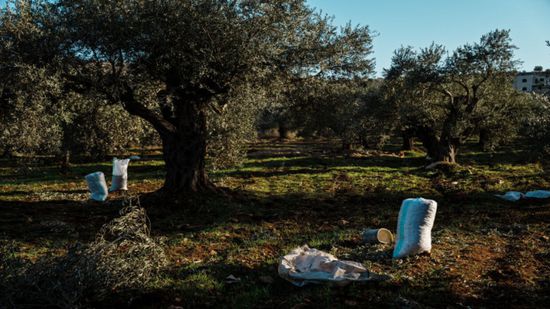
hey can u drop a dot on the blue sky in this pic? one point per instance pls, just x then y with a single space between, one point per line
448 22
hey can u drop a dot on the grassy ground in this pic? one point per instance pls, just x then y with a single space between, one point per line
486 252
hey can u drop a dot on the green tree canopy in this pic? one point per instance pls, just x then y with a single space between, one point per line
171 62
444 100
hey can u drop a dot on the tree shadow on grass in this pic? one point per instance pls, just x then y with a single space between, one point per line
322 165
15 193
303 219
513 286
53 220
498 157
321 162
372 207
44 174
73 220
258 287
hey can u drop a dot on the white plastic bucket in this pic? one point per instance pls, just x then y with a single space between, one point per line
382 235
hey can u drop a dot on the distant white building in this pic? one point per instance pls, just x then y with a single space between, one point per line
536 81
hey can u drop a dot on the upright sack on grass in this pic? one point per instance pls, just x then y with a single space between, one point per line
97 186
414 227
120 174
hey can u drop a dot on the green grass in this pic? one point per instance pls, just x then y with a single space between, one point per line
486 252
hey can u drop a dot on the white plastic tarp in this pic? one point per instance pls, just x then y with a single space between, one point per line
304 265
414 227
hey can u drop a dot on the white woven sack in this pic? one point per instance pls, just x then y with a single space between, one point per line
414 227
120 174
97 186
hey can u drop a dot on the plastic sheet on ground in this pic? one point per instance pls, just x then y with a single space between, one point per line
538 194
304 265
512 196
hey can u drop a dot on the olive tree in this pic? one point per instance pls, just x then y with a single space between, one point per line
346 108
445 100
195 53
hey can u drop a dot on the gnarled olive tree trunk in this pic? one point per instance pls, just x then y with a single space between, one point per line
483 139
442 149
184 153
183 132
447 152
408 140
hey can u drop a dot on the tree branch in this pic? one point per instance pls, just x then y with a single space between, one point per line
130 104
463 85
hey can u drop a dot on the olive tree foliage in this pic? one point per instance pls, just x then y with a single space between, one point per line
279 112
27 124
540 124
536 123
499 121
93 129
346 108
229 132
191 57
444 100
38 115
536 126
